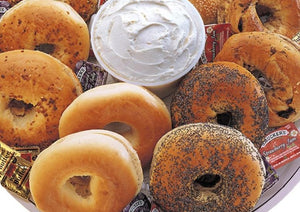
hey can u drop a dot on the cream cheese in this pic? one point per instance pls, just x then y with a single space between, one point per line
148 41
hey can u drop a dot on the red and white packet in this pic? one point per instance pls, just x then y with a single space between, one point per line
216 36
282 146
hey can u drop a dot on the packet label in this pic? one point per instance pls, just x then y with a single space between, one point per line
4 6
90 75
28 153
216 36
296 38
271 177
14 172
140 203
281 146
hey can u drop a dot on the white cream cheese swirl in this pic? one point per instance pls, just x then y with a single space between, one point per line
148 41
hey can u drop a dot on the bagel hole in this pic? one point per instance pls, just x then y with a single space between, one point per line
81 185
262 79
240 25
19 107
258 74
225 119
45 47
264 13
118 127
286 113
207 182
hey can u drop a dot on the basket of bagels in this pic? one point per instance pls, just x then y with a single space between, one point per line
147 105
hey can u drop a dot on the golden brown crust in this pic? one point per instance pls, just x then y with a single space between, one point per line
224 93
35 88
55 23
146 114
188 152
85 8
275 59
13 2
207 9
93 170
264 15
222 11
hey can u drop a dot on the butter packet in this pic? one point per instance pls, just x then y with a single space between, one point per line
281 146
14 172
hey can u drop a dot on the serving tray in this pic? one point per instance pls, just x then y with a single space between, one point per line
289 178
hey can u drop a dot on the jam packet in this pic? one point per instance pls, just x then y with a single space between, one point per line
4 6
140 203
90 74
216 36
281 146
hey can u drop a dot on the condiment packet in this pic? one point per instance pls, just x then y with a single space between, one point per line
271 177
100 2
14 172
216 36
296 38
90 74
281 146
4 6
140 203
28 153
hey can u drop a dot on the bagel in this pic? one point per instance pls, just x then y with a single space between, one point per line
56 29
207 9
94 170
276 16
35 88
83 7
275 60
206 167
223 93
142 117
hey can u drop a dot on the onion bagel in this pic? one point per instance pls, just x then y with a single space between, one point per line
85 8
35 88
56 29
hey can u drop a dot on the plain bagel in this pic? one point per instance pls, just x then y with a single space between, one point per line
94 170
50 26
142 117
